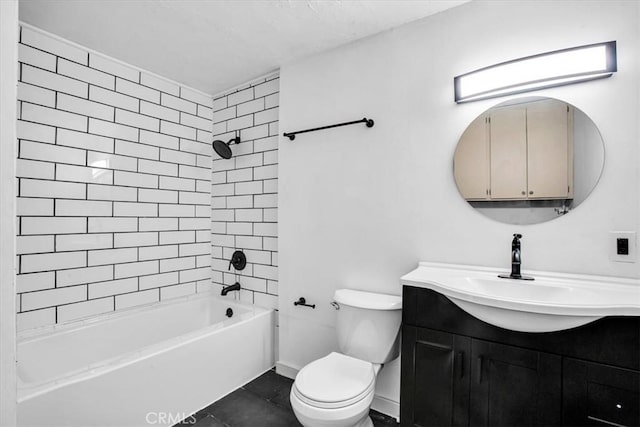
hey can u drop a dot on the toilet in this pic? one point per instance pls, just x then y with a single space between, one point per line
337 390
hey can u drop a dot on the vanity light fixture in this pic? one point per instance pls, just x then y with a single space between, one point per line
557 68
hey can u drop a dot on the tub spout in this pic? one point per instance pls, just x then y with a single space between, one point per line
227 289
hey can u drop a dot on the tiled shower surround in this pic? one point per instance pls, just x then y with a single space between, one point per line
114 181
244 191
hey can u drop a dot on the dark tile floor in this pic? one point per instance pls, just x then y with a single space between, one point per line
264 402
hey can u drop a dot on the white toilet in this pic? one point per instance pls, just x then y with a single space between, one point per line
337 390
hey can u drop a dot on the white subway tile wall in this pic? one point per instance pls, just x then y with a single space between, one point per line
114 174
244 189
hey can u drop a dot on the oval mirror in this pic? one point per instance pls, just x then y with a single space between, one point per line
528 160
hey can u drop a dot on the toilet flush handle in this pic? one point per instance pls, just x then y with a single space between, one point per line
335 305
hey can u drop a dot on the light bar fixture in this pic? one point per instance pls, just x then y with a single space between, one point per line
557 68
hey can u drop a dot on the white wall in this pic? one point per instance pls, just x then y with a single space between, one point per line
114 172
244 191
360 207
9 73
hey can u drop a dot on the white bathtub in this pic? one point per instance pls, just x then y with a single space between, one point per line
152 365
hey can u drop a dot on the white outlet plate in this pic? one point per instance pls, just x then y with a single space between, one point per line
613 238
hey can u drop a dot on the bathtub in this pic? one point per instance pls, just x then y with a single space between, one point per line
152 365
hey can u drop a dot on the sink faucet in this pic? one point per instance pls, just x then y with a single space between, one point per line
516 255
516 260
227 289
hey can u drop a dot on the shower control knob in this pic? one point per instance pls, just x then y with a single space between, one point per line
238 260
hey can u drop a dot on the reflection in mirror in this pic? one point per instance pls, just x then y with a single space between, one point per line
528 160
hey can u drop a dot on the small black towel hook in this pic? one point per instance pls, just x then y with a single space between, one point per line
302 301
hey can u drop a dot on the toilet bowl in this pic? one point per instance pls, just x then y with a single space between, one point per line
337 390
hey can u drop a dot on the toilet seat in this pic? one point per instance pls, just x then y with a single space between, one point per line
335 381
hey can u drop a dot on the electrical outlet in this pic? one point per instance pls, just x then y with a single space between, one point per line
622 246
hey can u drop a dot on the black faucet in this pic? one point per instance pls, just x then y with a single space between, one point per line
516 260
516 255
227 289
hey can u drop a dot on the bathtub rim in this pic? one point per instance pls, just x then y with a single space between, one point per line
29 390
61 327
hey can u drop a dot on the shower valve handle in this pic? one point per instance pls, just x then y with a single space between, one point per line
238 260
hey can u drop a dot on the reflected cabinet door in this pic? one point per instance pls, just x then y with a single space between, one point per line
549 149
508 130
471 164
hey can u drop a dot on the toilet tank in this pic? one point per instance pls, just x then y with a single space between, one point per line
369 325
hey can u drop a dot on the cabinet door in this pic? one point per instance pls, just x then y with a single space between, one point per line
434 378
548 150
471 161
511 386
599 395
508 153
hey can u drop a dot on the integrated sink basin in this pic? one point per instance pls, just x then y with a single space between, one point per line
551 302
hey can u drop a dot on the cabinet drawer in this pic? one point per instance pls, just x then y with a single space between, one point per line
609 404
596 394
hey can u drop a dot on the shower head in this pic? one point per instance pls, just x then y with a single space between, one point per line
223 149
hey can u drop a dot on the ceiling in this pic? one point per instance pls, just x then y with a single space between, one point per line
214 45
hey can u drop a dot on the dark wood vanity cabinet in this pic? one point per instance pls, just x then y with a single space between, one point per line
459 371
460 381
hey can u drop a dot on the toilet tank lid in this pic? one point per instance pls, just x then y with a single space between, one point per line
368 300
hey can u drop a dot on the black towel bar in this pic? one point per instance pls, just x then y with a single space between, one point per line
292 135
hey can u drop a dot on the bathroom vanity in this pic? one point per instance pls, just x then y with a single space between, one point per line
458 370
